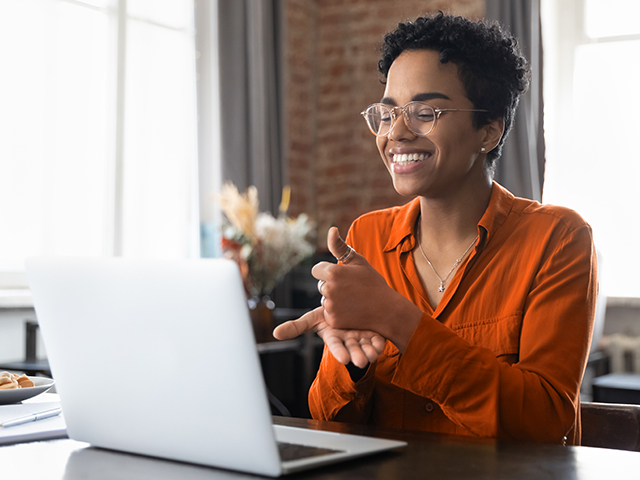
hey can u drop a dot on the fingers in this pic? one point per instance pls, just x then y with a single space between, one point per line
378 343
337 349
293 328
370 353
320 271
371 348
358 356
368 350
338 248
343 253
359 351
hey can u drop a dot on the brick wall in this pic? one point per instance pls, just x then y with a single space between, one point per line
332 50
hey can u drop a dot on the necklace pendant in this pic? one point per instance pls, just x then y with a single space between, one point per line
441 287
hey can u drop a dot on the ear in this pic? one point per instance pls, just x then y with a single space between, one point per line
492 134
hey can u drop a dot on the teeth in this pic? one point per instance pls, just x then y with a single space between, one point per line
406 159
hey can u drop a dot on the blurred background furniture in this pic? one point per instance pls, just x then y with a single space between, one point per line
611 426
30 364
617 388
616 372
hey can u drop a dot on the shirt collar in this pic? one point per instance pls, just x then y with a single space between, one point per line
403 226
500 204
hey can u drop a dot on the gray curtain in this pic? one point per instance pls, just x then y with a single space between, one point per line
250 87
521 167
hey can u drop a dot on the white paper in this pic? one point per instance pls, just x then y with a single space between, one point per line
48 428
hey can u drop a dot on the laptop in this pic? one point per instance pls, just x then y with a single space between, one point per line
159 358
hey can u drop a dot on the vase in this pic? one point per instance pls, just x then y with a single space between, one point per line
261 308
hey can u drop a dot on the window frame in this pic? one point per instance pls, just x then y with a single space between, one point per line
564 31
116 12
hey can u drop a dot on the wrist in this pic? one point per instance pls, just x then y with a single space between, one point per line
402 324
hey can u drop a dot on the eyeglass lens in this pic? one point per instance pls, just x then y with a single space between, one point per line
419 117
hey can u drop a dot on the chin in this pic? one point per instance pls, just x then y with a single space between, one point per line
406 190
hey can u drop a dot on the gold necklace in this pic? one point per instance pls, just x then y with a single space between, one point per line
456 264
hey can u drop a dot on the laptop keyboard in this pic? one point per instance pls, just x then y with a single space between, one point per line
290 451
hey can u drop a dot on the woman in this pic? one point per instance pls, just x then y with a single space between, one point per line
467 310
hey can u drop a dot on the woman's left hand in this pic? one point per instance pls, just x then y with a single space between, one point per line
359 347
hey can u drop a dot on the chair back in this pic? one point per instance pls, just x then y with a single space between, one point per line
611 425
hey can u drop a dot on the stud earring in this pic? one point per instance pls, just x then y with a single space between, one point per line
482 150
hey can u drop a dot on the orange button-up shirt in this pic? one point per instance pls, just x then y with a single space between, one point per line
504 352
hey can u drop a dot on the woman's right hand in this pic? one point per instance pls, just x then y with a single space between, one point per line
359 347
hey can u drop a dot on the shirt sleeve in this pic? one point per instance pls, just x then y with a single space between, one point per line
334 396
537 396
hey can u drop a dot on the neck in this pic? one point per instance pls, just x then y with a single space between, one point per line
454 220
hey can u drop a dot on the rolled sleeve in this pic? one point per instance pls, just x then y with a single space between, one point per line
334 396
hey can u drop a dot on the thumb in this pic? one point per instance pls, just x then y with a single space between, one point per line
339 248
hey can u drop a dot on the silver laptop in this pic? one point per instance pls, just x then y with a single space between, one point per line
159 358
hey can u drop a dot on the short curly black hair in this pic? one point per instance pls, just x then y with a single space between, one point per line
491 67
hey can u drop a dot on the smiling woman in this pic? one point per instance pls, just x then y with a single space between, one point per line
467 310
451 151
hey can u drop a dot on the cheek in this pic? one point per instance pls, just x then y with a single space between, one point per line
381 143
462 141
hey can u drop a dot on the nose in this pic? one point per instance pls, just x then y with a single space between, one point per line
400 130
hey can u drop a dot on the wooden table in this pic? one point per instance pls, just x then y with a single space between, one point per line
428 456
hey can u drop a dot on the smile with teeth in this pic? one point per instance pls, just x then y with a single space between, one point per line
406 159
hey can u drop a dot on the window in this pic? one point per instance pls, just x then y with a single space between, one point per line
592 124
98 153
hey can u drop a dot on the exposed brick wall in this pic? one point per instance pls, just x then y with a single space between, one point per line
332 50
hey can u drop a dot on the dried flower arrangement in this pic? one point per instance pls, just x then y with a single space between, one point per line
266 248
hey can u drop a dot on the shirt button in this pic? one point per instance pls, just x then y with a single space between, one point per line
429 407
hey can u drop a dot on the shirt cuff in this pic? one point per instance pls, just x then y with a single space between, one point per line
344 387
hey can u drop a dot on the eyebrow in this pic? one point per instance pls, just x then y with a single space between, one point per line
420 97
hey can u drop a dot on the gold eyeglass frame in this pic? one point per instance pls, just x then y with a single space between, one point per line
394 116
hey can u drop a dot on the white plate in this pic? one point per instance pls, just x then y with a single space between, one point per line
15 395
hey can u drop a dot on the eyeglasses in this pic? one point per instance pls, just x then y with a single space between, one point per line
419 117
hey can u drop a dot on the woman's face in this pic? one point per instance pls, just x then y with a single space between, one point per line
446 160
